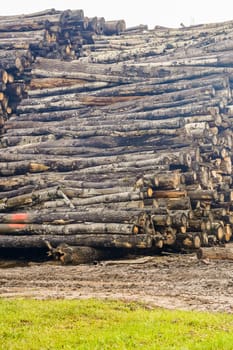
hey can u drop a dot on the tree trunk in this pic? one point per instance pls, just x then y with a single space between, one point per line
100 215
90 240
70 229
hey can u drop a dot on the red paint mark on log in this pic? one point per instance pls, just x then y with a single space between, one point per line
19 217
16 226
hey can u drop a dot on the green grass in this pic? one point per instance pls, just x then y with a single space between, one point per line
95 325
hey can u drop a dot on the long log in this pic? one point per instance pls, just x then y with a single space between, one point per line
70 102
217 253
84 128
91 240
61 86
71 229
83 165
118 197
61 205
65 217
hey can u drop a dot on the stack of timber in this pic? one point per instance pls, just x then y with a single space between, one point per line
49 33
126 145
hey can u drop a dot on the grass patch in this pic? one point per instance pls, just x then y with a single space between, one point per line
99 325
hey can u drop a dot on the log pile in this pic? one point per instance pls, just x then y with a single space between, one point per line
126 145
49 33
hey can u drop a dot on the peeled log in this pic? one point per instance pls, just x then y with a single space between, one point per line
218 253
169 194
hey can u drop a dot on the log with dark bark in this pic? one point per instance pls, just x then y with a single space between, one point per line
89 240
75 255
190 240
90 215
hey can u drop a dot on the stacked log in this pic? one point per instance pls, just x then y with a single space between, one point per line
128 146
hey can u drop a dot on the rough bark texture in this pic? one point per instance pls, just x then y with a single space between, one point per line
218 253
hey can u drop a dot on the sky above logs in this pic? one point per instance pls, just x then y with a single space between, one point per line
170 13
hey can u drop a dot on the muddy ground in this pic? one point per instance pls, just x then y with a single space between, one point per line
171 281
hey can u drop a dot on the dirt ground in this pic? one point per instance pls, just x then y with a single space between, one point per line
171 281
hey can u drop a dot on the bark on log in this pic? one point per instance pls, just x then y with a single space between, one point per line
161 220
29 199
114 27
179 218
189 240
71 229
74 255
218 253
65 217
182 203
90 240
169 236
